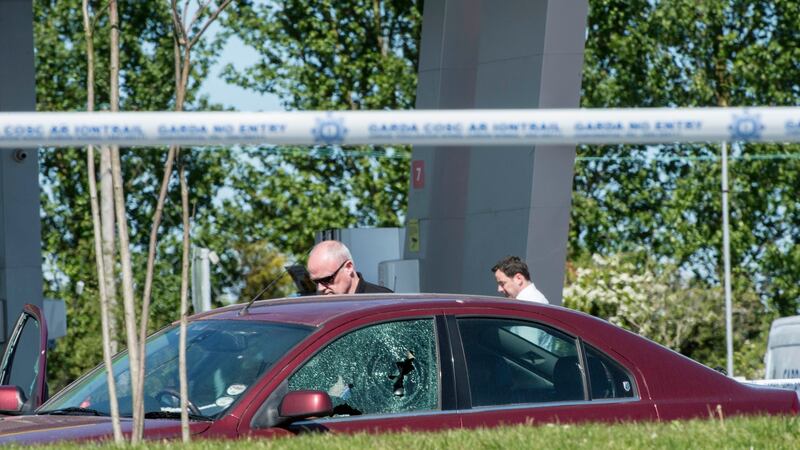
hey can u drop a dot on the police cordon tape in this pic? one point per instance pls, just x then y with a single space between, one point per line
495 127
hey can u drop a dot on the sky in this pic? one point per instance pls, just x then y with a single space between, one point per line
240 56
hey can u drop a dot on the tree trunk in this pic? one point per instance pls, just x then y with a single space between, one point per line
184 383
108 235
151 252
182 71
135 364
105 321
128 298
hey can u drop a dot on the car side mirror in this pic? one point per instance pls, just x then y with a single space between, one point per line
11 398
297 405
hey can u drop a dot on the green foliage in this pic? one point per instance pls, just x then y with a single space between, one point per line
67 239
653 300
667 198
688 53
324 54
248 267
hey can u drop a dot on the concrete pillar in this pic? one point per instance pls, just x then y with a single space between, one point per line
20 227
478 204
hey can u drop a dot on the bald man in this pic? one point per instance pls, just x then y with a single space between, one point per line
333 272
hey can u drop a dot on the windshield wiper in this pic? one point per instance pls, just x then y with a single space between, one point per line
74 411
174 415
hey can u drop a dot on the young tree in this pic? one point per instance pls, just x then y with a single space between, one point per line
105 316
124 244
185 37
147 60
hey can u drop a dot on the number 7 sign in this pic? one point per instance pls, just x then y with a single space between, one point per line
418 174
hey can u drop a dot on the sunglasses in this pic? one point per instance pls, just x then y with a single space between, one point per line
329 279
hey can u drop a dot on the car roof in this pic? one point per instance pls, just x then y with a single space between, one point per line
317 310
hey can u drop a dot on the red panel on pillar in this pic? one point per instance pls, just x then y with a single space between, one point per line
418 174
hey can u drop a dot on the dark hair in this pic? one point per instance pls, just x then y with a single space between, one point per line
512 265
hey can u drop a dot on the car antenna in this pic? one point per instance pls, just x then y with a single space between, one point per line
244 310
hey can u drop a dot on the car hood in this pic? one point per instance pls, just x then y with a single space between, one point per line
43 428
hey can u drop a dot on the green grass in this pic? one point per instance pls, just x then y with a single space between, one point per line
734 433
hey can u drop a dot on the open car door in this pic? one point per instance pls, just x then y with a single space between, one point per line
24 365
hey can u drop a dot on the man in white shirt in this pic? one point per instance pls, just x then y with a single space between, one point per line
514 280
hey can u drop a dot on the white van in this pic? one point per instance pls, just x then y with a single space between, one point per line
783 349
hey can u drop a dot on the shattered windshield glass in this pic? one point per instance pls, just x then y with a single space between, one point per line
385 368
224 358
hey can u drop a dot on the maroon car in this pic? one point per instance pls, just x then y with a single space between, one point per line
385 363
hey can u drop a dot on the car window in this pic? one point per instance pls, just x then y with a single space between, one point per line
224 358
512 361
385 368
607 378
26 355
